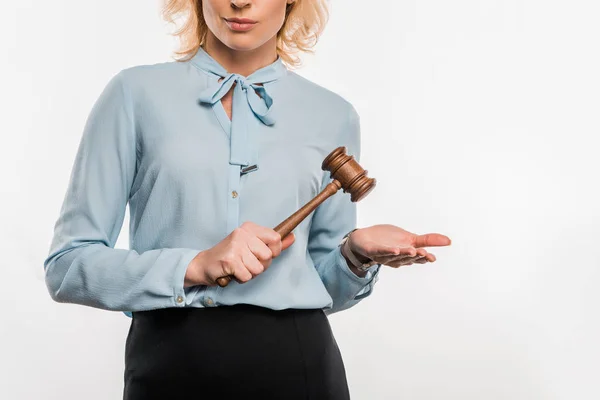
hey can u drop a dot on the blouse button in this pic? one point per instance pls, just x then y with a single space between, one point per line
179 299
234 194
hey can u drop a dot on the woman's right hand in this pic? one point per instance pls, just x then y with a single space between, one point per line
245 253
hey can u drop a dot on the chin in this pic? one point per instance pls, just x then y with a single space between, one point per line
241 46
246 43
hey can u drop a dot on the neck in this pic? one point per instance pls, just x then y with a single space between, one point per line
239 61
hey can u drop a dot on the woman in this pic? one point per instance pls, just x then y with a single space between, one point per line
210 151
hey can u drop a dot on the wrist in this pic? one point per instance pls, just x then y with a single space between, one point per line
354 264
357 263
351 266
362 259
192 274
187 280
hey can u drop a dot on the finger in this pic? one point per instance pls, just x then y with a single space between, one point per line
241 274
392 251
288 241
272 239
397 264
420 259
252 264
420 253
232 266
260 251
429 257
268 235
403 254
393 258
407 259
432 239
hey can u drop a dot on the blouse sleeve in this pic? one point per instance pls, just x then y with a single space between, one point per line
82 266
335 217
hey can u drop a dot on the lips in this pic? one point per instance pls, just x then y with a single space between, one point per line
240 24
241 20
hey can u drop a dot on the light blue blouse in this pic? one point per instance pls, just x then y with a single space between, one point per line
159 139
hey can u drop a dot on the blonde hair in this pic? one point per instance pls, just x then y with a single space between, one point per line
304 22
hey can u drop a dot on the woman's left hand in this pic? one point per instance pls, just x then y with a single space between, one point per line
391 245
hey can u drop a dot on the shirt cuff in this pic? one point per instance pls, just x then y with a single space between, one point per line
184 296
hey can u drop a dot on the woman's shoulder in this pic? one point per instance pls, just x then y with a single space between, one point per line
152 73
146 84
318 96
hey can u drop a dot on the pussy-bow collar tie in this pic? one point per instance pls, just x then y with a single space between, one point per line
247 106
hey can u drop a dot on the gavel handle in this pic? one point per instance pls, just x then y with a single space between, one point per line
288 225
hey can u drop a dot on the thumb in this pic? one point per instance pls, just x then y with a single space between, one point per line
288 241
432 239
395 251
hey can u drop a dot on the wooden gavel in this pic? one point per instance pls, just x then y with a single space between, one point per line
346 174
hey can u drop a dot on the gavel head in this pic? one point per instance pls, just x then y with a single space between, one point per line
349 173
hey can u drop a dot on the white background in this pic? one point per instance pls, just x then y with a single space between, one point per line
480 120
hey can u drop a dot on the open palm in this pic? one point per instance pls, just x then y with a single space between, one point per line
391 245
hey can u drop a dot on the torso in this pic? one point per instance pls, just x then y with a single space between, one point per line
186 194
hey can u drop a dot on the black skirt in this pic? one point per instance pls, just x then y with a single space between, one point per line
233 352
